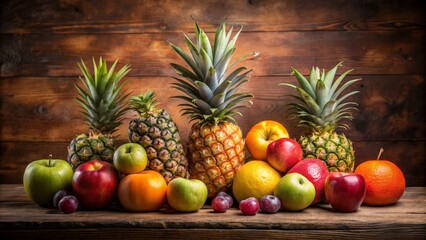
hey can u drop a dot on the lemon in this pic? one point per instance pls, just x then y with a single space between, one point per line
255 179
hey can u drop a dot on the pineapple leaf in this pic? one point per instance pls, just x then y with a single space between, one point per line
206 64
310 102
254 54
185 98
337 83
219 43
297 107
304 83
184 88
223 87
206 86
328 108
111 70
217 100
338 107
329 76
188 60
234 39
204 107
313 78
346 96
95 70
234 99
344 86
235 88
184 72
234 73
193 49
211 79
240 77
321 93
223 62
204 91
205 44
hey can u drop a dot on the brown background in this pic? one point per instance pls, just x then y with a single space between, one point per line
384 41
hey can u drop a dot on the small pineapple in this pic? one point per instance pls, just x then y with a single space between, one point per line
320 107
215 144
102 103
155 130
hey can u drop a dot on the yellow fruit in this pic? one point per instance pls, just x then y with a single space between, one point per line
255 179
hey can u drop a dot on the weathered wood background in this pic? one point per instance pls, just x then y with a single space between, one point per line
384 41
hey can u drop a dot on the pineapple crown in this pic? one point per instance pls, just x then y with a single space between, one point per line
145 102
209 92
101 98
319 105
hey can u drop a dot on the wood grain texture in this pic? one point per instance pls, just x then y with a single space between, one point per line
19 16
150 54
384 41
19 217
47 111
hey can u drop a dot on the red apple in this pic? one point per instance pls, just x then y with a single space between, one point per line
283 154
95 184
345 191
316 172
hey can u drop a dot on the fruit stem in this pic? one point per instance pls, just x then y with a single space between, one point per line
50 158
380 153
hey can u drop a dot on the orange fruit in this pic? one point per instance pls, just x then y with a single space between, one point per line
144 191
255 179
384 180
261 134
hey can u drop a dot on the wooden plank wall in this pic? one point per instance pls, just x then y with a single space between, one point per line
384 41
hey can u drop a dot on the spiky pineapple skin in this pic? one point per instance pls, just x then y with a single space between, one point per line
160 137
86 147
334 149
216 152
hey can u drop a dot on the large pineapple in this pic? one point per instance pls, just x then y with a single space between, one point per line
320 107
103 105
215 143
155 130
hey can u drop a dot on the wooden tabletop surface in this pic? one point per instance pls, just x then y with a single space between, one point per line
20 218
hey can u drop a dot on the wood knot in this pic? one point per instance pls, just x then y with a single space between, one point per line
42 109
163 26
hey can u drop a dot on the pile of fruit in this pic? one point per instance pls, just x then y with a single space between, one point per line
154 169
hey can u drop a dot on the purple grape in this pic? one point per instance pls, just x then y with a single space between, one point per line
228 198
68 204
270 204
220 204
58 196
249 206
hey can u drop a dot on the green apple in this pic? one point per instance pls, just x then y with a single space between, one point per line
130 158
186 195
44 177
295 192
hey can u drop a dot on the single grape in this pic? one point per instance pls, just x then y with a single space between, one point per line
220 204
58 196
249 206
270 204
228 198
68 204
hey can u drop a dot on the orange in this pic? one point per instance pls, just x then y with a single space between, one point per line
384 180
144 191
255 179
261 134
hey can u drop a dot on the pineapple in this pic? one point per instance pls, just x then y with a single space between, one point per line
320 108
215 143
155 130
102 103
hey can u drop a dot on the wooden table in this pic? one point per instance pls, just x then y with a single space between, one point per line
20 218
